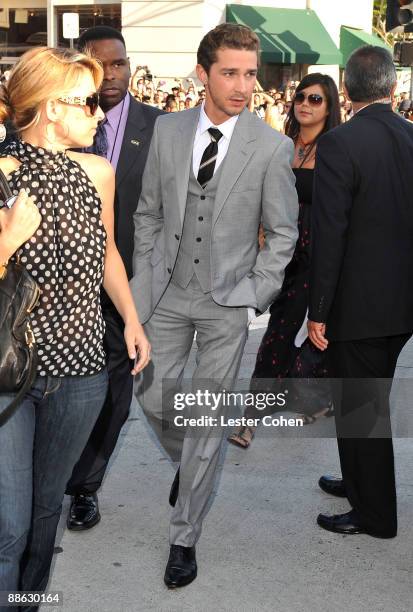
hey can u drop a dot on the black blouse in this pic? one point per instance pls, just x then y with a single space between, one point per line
66 258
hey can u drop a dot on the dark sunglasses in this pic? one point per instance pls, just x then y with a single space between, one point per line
92 101
312 99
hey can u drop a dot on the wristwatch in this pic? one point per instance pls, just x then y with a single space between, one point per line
3 269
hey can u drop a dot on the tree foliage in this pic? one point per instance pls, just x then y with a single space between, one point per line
379 21
379 24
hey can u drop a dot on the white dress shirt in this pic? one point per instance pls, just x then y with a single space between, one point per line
203 139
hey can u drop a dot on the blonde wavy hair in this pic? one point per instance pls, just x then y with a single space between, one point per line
41 74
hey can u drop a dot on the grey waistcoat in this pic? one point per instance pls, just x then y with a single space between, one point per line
194 255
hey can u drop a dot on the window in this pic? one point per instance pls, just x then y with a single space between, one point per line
89 15
21 29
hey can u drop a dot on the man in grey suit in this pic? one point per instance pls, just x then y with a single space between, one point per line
213 174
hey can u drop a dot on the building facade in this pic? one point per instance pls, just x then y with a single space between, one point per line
297 36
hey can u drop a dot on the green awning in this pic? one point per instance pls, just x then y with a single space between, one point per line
351 39
287 36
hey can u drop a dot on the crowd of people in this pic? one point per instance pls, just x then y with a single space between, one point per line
101 201
272 105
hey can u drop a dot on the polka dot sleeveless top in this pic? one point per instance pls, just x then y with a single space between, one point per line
66 258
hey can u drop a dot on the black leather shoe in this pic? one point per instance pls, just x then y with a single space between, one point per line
173 495
346 524
333 486
84 512
181 568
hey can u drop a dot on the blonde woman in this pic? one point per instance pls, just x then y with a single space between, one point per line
66 242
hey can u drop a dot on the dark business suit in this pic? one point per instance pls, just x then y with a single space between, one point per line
362 287
88 473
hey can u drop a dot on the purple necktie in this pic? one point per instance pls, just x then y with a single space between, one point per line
100 141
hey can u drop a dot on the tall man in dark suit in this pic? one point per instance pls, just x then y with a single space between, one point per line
361 291
124 140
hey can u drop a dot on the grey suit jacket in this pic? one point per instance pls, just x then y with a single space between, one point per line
256 185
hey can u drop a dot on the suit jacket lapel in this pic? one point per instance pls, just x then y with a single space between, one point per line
131 146
183 156
239 152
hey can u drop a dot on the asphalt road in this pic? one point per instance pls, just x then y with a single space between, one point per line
261 549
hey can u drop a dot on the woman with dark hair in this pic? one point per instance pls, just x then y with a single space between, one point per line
285 351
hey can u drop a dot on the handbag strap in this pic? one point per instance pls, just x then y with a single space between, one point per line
6 193
12 407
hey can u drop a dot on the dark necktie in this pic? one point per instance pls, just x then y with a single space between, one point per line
207 166
100 141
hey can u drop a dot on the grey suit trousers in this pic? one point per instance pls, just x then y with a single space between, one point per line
221 333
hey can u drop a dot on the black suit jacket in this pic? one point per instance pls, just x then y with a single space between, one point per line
361 281
129 170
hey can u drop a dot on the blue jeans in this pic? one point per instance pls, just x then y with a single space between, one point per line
39 446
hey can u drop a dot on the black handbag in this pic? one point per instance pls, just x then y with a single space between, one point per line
19 295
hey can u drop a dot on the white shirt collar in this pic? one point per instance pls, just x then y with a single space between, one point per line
226 128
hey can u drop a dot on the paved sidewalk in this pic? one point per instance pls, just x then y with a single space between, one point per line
260 549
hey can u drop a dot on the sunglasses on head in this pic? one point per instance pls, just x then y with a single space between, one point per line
92 101
312 99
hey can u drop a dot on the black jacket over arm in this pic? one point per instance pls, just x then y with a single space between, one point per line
361 282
